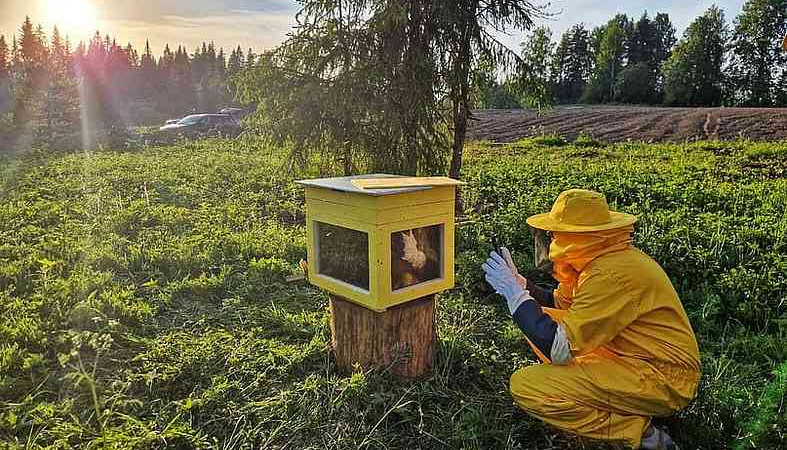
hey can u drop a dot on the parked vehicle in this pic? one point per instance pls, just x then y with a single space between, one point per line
203 125
237 113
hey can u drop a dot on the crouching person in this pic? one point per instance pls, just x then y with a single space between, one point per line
616 344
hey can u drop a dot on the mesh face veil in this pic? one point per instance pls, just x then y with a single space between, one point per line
542 239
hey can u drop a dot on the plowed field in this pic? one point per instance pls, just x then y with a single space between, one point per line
622 123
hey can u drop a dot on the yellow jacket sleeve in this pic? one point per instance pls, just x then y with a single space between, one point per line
602 307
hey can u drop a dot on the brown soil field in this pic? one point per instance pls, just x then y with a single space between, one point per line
634 123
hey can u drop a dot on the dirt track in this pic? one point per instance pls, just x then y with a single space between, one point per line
636 123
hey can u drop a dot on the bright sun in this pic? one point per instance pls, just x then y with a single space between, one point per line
73 17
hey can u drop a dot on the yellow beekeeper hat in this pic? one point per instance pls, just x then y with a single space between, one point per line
579 210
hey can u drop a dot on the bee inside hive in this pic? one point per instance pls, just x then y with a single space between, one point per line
416 256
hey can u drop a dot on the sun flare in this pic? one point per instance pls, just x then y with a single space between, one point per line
73 17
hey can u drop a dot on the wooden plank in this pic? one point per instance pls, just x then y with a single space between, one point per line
321 208
432 195
344 184
405 182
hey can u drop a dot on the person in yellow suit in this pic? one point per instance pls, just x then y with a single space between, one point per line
616 345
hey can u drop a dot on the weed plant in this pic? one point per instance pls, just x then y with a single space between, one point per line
143 302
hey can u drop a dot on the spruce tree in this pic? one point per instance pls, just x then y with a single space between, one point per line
235 63
378 84
572 64
5 60
31 74
648 46
251 59
57 111
5 78
221 63
643 42
665 38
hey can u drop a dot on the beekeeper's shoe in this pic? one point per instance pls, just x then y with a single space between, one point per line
657 439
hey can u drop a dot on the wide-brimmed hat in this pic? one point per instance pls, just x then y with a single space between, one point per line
580 210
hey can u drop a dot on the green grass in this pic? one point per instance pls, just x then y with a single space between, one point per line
142 302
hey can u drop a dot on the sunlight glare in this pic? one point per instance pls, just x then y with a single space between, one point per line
76 18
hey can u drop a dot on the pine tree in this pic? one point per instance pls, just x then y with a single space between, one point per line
60 55
212 57
148 61
167 60
96 50
665 38
488 93
5 78
5 61
149 76
642 45
16 61
181 87
648 46
572 64
132 56
57 112
235 63
81 50
251 59
376 93
221 63
31 73
32 49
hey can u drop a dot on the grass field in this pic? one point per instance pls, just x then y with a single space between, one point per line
142 301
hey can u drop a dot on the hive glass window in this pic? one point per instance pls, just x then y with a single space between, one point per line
343 254
416 256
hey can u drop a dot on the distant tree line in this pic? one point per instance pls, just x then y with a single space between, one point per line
642 62
53 92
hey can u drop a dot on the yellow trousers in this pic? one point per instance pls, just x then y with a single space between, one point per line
601 395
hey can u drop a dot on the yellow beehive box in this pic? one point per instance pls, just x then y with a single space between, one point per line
381 240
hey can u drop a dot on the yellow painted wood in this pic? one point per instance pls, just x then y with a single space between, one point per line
427 196
390 298
339 287
379 216
393 183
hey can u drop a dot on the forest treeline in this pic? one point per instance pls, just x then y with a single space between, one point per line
59 95
641 61
52 91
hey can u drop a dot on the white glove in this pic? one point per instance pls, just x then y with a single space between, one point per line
502 279
510 262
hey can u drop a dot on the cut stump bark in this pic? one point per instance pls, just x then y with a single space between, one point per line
401 339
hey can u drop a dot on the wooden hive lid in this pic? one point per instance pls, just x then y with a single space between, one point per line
378 185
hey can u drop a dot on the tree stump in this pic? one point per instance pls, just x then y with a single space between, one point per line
401 338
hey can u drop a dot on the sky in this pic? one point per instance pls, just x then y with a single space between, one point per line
263 24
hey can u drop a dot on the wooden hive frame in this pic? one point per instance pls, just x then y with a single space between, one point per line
379 214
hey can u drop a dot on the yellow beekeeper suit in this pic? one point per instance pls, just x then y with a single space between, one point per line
634 354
